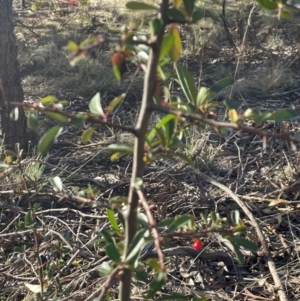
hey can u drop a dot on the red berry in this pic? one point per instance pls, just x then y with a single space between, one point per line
197 245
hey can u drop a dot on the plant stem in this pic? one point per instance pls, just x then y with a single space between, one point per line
138 163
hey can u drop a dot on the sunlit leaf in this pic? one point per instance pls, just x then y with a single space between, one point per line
35 288
120 148
48 100
268 4
104 269
48 138
57 183
57 116
112 219
136 245
115 102
138 182
285 14
87 134
175 51
72 46
204 96
177 3
233 116
159 125
166 46
14 114
95 105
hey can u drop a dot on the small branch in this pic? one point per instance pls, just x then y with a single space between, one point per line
266 252
218 124
72 118
152 224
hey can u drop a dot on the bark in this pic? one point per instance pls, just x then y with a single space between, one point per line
10 81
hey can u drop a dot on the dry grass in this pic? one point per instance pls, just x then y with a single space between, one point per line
267 76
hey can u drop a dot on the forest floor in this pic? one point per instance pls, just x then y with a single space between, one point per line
265 64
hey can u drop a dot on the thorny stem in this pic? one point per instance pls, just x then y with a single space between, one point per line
138 163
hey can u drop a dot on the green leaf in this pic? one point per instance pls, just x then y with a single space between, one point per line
156 26
87 134
229 104
115 102
57 116
222 84
113 253
117 72
185 158
175 51
48 138
113 221
72 46
238 253
286 15
174 296
14 114
189 6
32 121
177 3
204 96
187 83
268 4
156 284
95 105
136 246
176 15
142 276
247 244
104 269
123 148
167 222
283 115
138 182
197 15
28 218
48 99
166 46
179 222
135 5
108 237
159 125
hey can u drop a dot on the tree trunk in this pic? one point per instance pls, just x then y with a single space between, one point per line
10 81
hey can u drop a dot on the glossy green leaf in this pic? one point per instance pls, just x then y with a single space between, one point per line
104 269
95 105
284 115
175 51
32 121
113 221
247 244
197 16
187 83
166 46
135 5
176 15
268 4
174 296
48 100
179 222
222 84
189 6
57 116
48 138
156 284
115 102
136 246
87 134
113 253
